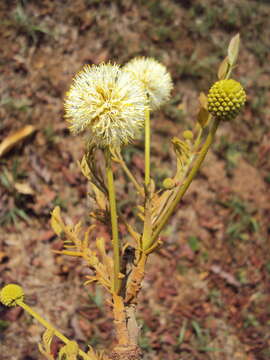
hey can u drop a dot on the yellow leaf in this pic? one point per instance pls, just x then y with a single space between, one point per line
70 351
203 117
56 221
100 197
45 346
233 49
203 100
223 69
100 243
47 338
85 168
68 252
13 139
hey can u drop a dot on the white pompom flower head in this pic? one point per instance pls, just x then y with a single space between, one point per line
107 102
154 77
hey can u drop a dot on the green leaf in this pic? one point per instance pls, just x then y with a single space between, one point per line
233 49
194 243
21 213
197 329
182 333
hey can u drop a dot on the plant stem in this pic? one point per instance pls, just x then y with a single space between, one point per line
114 223
47 325
183 188
130 175
147 141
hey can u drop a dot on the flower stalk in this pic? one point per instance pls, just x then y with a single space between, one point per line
193 172
47 325
114 222
147 128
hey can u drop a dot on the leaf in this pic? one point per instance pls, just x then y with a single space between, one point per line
47 338
9 142
24 188
85 168
69 352
233 49
203 100
100 197
45 346
194 243
223 68
21 213
203 117
56 221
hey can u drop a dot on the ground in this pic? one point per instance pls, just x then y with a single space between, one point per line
206 292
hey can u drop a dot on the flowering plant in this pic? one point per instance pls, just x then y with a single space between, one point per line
113 104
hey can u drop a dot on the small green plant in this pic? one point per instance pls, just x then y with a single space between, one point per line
25 23
16 104
241 220
11 182
113 105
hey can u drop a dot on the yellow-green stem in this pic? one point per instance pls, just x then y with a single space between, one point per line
47 325
131 177
114 222
183 188
147 130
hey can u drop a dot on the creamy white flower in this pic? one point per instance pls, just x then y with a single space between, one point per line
108 102
155 79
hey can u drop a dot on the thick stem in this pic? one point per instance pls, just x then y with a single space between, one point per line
127 331
183 188
130 175
135 280
120 321
114 223
147 140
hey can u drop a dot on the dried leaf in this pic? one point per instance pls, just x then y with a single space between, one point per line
233 49
229 278
15 138
24 188
56 221
96 355
223 68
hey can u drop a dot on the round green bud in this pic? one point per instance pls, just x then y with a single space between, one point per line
10 294
168 183
188 135
225 99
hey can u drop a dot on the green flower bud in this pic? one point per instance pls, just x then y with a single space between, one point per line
225 99
168 183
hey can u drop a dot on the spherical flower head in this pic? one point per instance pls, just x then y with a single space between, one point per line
10 294
225 99
108 102
155 78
